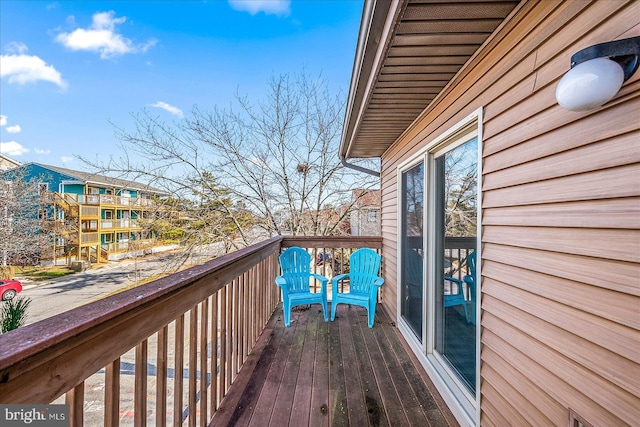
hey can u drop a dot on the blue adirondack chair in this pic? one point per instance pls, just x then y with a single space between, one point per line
458 297
455 296
470 280
364 283
295 281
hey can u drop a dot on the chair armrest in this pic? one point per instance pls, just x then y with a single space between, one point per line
320 277
458 282
336 279
280 281
378 282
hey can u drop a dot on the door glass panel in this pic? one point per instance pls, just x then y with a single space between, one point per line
412 289
456 174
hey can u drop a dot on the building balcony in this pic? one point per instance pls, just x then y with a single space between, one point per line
106 200
111 224
207 346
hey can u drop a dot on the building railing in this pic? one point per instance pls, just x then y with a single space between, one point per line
457 250
86 211
89 238
105 199
119 223
175 345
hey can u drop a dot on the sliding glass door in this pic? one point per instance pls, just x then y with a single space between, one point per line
438 238
456 223
412 241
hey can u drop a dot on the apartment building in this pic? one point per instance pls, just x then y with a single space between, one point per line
95 217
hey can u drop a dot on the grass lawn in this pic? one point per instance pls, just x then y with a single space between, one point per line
42 273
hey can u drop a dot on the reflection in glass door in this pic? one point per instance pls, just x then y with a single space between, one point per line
456 196
412 289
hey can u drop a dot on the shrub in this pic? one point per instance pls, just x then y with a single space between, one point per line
13 314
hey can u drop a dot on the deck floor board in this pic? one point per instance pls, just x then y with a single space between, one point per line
333 374
358 415
304 386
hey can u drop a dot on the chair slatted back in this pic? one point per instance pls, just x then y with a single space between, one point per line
364 267
471 262
296 269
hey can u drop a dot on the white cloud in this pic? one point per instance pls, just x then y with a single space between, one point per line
17 48
269 7
10 129
170 108
22 69
102 37
40 151
12 148
66 159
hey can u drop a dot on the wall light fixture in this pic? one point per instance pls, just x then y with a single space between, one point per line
597 73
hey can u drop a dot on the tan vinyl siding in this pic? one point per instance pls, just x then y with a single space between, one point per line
561 221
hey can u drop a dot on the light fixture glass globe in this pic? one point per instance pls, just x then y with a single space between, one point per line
590 84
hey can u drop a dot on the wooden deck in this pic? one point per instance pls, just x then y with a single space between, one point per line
332 374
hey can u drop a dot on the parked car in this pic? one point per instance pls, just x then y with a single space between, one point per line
9 289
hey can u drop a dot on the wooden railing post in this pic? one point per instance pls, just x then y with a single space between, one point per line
215 328
193 364
75 399
178 371
140 393
161 377
204 338
112 394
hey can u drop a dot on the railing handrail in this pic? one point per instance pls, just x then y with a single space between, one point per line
38 350
374 242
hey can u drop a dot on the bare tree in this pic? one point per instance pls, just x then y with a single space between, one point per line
23 240
460 190
253 170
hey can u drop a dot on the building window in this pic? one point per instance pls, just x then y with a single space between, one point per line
412 283
94 190
372 216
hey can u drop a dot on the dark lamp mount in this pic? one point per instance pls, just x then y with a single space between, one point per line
625 52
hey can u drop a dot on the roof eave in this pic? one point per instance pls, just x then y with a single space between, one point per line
379 17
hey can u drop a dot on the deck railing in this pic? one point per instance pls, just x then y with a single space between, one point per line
165 352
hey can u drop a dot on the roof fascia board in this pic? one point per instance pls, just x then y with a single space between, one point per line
367 16
380 17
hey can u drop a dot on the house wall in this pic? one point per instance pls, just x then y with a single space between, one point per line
560 252
6 163
73 188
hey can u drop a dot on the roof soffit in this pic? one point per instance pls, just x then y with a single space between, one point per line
428 43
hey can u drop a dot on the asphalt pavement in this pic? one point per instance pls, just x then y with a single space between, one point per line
56 296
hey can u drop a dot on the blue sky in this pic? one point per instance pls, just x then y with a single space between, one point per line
69 67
